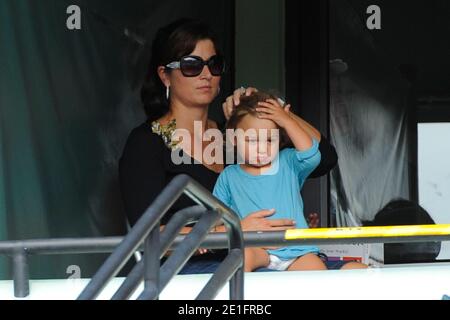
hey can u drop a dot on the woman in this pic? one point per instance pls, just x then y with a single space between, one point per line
183 79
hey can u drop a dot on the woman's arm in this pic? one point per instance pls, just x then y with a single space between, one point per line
328 160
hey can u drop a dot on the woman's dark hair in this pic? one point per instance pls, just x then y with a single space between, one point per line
171 42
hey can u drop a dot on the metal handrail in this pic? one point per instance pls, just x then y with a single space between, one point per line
58 246
21 249
147 229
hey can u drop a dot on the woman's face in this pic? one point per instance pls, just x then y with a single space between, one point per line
197 91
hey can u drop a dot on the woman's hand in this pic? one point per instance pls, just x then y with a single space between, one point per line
257 221
273 110
234 100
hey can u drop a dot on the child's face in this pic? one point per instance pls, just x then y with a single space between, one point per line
260 141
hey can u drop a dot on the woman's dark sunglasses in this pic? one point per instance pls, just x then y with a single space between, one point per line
192 66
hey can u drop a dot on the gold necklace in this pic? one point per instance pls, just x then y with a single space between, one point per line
167 131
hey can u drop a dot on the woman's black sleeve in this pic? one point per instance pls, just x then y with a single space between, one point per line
328 160
141 172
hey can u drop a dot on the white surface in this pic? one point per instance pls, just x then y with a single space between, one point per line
434 174
400 282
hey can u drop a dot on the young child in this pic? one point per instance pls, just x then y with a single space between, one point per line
268 178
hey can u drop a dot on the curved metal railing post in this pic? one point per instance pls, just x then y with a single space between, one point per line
149 224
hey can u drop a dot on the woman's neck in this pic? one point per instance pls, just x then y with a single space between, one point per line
187 116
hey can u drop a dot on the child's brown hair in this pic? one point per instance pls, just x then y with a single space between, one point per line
247 106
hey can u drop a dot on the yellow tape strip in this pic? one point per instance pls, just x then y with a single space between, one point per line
367 232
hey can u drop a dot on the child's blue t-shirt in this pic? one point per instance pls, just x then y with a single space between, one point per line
278 189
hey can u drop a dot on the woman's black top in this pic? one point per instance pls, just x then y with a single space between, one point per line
146 168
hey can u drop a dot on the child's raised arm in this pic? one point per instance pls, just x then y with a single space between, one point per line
272 110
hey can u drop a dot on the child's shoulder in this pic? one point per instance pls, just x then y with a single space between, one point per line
287 152
288 156
300 155
226 175
230 169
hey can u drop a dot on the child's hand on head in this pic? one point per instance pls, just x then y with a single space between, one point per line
273 110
